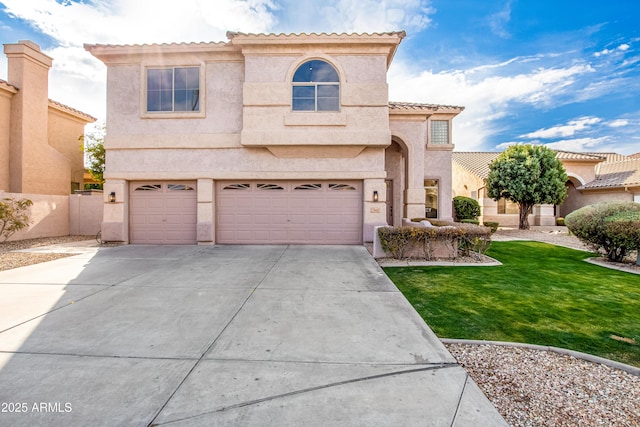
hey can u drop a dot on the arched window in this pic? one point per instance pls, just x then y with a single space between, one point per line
316 87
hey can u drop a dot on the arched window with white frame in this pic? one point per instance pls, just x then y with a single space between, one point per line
316 87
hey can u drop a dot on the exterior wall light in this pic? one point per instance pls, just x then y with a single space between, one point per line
375 195
112 197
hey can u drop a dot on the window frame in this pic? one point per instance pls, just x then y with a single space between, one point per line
145 113
316 86
426 194
432 130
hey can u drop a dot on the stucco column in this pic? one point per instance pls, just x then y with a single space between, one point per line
414 202
543 215
115 220
375 212
206 213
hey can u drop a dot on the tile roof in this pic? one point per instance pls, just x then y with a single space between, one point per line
625 173
72 111
570 155
414 106
476 162
634 156
232 34
6 85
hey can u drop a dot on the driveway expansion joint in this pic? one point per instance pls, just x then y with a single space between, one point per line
434 367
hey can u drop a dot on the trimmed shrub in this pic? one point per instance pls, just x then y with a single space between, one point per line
468 238
397 241
588 224
492 225
465 208
623 230
470 221
13 216
560 221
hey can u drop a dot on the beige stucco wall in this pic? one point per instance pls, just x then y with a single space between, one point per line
64 135
465 183
44 154
49 215
85 213
6 94
581 171
268 120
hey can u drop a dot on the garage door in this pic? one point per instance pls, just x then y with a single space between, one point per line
306 212
163 212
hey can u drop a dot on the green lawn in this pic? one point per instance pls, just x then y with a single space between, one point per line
542 294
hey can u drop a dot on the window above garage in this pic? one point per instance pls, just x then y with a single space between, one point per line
173 92
316 87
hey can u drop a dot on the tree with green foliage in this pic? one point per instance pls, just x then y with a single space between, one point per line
613 227
13 216
527 175
93 145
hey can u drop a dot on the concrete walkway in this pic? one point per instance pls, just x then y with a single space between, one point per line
223 335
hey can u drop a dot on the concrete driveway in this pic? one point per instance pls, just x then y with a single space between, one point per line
223 335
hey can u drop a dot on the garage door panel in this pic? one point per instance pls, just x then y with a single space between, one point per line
163 213
321 213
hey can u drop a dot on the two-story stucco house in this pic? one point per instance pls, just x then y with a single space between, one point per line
267 138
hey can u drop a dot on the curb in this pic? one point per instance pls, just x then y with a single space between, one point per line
633 370
598 261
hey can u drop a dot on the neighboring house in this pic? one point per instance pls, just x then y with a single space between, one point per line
593 178
39 148
267 138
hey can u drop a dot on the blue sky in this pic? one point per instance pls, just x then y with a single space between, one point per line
565 73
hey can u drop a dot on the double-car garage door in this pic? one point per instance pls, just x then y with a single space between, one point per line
250 212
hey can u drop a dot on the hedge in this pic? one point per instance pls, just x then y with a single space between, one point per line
470 239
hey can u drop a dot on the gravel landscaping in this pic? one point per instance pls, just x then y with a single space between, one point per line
543 388
9 259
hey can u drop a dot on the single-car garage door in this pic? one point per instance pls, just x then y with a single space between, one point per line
303 212
163 212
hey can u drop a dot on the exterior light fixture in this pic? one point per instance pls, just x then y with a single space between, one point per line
112 197
375 195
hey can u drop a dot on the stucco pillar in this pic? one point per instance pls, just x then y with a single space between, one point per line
115 220
375 212
206 214
543 215
414 202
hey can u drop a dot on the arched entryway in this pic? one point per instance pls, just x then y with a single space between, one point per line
574 197
396 168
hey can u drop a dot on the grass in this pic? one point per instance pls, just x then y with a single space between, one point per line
542 294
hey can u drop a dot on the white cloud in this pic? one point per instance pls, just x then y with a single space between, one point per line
621 48
486 98
618 123
578 144
573 126
498 22
376 15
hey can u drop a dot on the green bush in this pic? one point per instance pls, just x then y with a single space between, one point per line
465 208
13 216
560 221
623 230
470 221
589 225
492 225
